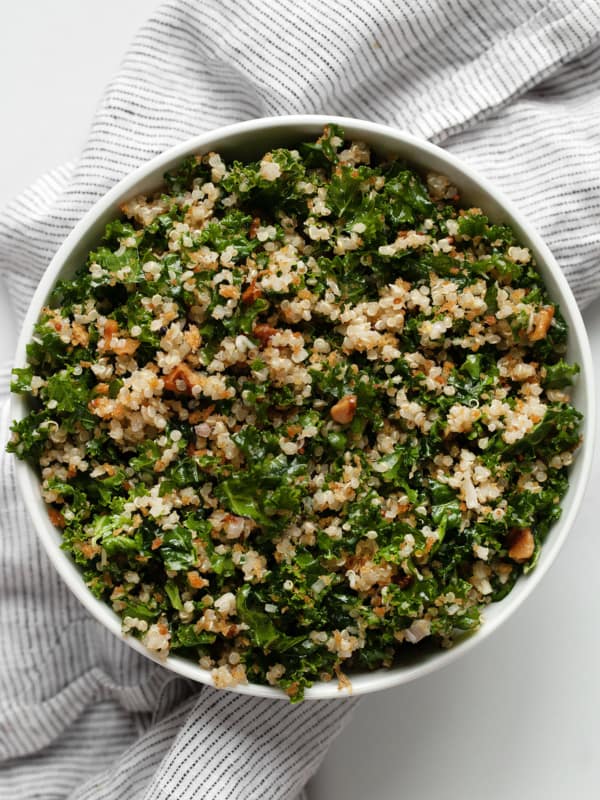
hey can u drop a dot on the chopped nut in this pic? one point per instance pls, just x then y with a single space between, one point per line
251 294
343 411
195 580
229 291
111 329
181 379
521 544
80 335
254 226
263 332
541 323
56 518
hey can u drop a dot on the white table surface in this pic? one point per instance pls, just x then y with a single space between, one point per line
518 717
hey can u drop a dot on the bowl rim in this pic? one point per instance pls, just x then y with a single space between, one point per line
363 682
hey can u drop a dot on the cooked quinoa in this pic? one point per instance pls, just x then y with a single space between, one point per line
295 417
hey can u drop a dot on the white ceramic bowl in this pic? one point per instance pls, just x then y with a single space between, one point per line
250 140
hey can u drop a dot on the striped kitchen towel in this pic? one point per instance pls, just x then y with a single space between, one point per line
513 87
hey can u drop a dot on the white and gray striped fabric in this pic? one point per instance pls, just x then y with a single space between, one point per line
513 87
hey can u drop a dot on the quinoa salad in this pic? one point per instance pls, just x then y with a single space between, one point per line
300 417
